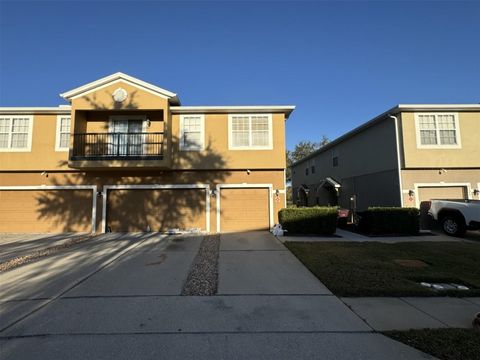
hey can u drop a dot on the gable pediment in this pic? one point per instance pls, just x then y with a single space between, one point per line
111 88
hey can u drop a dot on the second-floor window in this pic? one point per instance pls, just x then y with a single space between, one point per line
437 131
16 133
62 141
192 132
250 132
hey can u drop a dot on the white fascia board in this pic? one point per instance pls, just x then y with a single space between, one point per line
286 109
62 109
113 78
438 107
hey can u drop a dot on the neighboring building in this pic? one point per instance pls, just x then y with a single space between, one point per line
125 156
408 154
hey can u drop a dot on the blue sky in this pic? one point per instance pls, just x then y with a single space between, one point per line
340 63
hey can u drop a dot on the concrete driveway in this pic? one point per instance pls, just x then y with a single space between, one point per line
118 297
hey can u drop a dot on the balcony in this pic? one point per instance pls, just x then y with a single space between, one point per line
117 149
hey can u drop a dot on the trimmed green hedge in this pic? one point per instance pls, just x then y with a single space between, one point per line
309 220
389 221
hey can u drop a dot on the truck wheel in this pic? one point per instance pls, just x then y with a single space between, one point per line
453 226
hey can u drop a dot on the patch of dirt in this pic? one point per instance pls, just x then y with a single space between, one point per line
410 263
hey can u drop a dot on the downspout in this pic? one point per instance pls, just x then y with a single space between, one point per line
397 140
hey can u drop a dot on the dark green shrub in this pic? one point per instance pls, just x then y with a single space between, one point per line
389 221
309 220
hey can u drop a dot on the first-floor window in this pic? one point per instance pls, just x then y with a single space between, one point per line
250 132
63 133
192 128
15 132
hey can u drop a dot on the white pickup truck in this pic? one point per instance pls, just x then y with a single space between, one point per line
455 216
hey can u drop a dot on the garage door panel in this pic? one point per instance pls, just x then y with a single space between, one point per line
244 209
441 192
42 211
159 209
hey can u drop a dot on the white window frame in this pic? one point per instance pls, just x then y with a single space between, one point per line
57 136
458 136
184 147
250 147
29 136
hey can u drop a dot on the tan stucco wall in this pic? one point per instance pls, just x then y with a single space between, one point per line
466 156
217 155
470 177
274 177
42 155
91 112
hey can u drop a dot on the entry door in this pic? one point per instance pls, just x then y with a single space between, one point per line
126 139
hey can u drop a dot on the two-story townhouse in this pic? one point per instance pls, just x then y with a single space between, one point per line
125 155
406 155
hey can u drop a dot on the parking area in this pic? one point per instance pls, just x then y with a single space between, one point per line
119 296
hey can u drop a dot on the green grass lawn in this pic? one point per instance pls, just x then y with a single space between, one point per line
445 344
379 269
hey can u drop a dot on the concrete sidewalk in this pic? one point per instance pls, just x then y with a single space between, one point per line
393 313
349 236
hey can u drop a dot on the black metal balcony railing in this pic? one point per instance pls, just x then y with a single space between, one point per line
130 146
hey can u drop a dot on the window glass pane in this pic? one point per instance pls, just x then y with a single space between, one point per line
64 140
192 139
4 125
260 138
260 131
20 125
240 138
428 137
446 122
240 131
447 137
3 141
65 125
192 132
19 140
427 122
259 123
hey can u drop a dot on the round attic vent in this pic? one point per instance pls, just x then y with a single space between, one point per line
120 95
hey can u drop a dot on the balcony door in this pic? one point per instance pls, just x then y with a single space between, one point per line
126 137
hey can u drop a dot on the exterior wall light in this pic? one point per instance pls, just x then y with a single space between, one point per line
411 193
213 193
476 192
